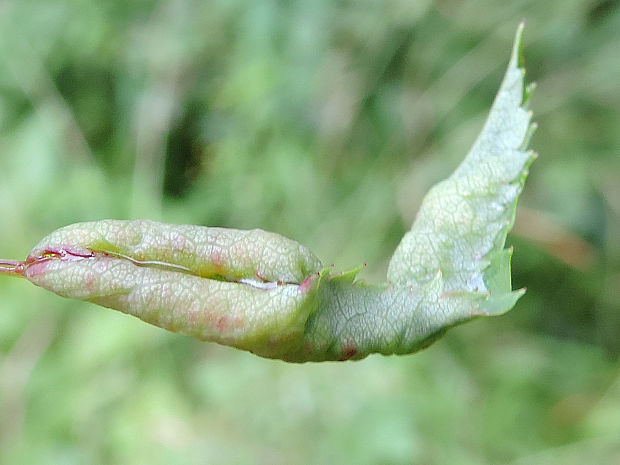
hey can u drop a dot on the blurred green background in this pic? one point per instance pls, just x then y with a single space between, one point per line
325 121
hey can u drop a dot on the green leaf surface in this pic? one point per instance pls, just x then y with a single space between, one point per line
267 294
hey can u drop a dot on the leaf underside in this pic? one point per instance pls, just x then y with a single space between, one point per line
461 228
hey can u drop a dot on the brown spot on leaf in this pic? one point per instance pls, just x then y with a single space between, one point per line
348 351
222 323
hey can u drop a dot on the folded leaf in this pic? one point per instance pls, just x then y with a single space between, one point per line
267 294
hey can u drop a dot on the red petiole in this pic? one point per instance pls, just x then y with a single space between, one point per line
18 267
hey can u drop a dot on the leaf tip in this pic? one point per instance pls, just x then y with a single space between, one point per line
518 41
